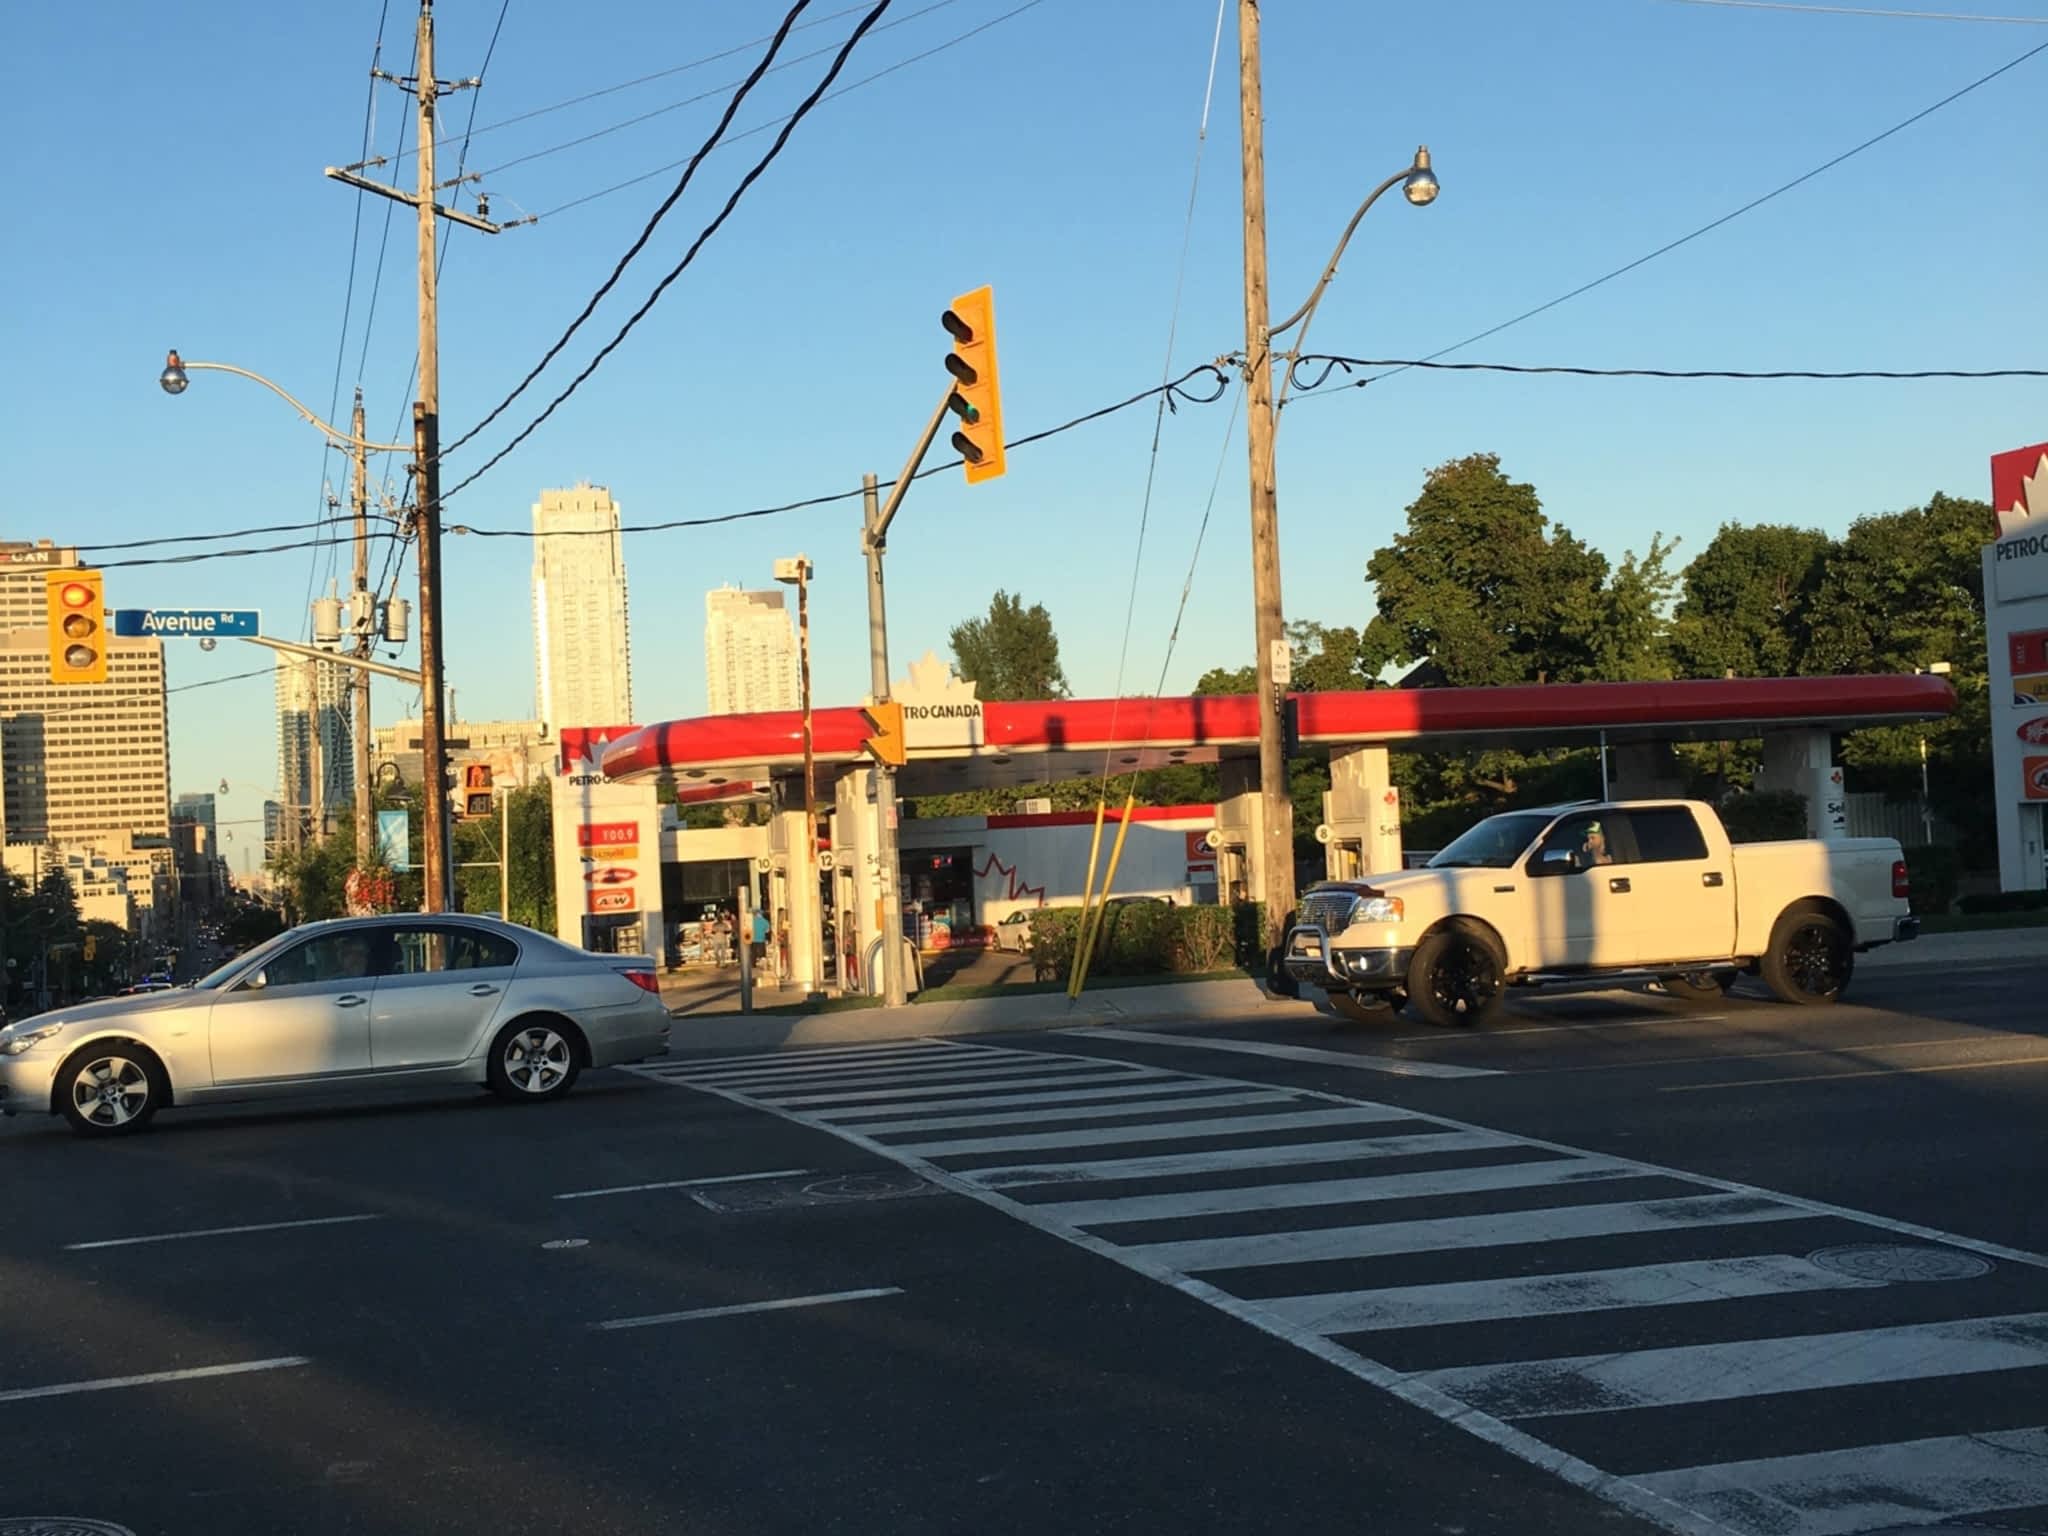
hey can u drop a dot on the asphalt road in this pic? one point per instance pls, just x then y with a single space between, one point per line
1610 1265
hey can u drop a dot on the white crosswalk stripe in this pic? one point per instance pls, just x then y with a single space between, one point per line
1422 1229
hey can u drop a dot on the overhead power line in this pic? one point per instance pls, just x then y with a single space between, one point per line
1332 362
1754 203
803 110
748 133
639 244
236 554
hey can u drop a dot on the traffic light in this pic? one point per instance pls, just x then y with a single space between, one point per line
478 799
77 607
886 721
977 399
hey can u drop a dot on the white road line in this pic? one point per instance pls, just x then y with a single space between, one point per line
800 1101
1290 1053
193 1373
1055 1116
1161 1087
723 1178
799 1066
1708 1373
1835 1077
825 1052
923 1064
1397 1186
1231 1159
698 1313
179 1237
1870 1487
1640 1063
952 1072
1597 1290
1497 1229
1192 1130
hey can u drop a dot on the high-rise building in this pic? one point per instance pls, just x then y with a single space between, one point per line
22 564
583 659
749 652
313 723
196 809
273 829
80 763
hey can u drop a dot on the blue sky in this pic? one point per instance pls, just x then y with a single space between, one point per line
183 205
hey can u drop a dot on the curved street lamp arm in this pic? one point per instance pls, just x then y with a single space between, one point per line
339 436
1308 309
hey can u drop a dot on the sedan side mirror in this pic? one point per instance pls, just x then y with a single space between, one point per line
258 982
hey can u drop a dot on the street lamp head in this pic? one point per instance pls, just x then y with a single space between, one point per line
1420 188
173 377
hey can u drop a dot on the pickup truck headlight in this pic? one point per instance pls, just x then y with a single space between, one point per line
13 1044
1378 909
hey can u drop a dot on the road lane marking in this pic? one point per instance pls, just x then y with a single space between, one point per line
1869 1487
915 1076
798 1067
1291 1053
1497 1229
1294 1155
1395 1186
1445 1037
1595 1290
723 1178
191 1373
794 1054
1711 1373
1043 1115
1242 1125
179 1237
1151 1089
1638 1063
1831 1077
697 1314
1119 1074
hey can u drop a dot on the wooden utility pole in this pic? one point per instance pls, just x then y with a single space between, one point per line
1276 836
363 615
426 426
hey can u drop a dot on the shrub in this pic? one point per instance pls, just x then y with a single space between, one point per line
1144 938
1935 873
2004 901
1764 816
1054 931
1206 940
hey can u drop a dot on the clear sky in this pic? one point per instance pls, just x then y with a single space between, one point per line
167 192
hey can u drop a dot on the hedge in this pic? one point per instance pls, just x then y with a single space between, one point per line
1935 872
1145 938
2004 901
1764 816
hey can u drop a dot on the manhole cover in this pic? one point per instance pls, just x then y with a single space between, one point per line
1888 1261
566 1242
59 1525
796 1194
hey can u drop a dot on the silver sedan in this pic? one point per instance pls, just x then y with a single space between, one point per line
355 1001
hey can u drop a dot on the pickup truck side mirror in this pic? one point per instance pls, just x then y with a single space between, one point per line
1555 861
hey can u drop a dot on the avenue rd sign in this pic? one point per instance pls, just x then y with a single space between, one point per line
166 623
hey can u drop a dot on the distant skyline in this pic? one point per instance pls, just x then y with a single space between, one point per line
802 347
582 624
750 661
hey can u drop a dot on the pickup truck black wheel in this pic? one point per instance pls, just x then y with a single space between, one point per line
1363 1007
1810 958
1457 977
1698 986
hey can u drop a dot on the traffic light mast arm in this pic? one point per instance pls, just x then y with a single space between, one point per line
339 658
878 530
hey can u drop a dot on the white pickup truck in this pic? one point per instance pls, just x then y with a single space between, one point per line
1648 889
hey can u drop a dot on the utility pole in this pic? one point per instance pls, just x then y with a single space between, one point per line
1276 805
426 426
888 866
363 614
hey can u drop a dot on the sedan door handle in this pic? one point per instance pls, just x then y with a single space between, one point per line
482 989
1619 883
350 1000
1711 877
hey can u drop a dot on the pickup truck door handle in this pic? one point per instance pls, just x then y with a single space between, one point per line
1619 884
1711 877
1503 890
482 989
350 1000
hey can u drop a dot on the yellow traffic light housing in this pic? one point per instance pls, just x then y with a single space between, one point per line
76 605
886 721
977 398
478 796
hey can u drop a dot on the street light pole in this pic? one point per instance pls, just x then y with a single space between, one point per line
799 572
888 865
1276 834
363 614
426 430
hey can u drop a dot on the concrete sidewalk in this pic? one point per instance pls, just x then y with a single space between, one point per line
1233 998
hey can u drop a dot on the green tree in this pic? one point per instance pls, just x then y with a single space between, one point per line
313 878
1631 635
1011 653
1747 600
1484 585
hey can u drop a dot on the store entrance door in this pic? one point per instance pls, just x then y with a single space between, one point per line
938 896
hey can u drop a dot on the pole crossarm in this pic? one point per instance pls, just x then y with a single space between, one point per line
314 653
413 200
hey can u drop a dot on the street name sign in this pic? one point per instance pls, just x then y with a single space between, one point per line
167 623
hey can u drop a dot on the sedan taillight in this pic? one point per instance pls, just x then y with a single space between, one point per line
1901 885
644 980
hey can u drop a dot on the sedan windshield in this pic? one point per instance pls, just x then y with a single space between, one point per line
220 974
1495 843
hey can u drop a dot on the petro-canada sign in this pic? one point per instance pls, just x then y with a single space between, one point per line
2019 497
939 709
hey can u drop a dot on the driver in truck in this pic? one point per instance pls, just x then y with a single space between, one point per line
1593 850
